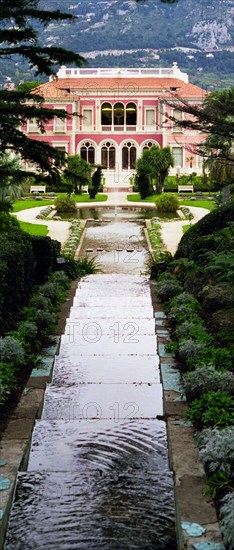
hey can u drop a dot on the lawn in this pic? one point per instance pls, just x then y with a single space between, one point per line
32 203
34 229
201 203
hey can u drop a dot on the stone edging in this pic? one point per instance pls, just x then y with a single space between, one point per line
16 441
196 519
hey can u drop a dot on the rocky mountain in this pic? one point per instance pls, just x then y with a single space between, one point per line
198 35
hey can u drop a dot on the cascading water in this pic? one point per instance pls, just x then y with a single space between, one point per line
98 474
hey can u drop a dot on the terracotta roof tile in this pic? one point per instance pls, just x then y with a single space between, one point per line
75 87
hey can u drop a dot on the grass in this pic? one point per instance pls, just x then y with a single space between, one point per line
32 203
201 203
186 228
34 229
100 197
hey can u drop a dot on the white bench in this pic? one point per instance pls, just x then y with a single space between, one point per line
185 188
38 188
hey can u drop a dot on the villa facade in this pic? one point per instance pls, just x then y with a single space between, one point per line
119 113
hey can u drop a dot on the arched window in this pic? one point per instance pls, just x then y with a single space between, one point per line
106 114
87 152
149 144
131 114
128 156
118 114
108 155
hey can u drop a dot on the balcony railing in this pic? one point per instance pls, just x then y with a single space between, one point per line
124 128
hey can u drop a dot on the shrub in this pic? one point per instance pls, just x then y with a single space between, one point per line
226 525
16 274
27 332
61 279
190 352
185 298
167 203
182 313
217 219
190 329
217 297
65 204
50 290
7 378
207 378
217 450
212 409
11 351
167 290
44 320
39 301
86 266
45 252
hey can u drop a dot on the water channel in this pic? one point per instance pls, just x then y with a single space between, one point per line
98 475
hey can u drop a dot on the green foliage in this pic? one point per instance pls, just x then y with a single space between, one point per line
44 320
217 219
65 204
168 289
152 166
7 380
16 274
143 184
11 351
20 39
226 524
72 243
77 173
207 378
167 203
217 450
45 252
212 409
87 266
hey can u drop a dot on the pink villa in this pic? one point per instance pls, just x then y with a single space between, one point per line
122 113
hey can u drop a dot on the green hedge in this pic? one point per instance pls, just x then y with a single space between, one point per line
198 183
217 219
45 252
17 275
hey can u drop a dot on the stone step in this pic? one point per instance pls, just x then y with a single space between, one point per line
102 401
103 444
112 344
112 301
106 370
80 312
125 328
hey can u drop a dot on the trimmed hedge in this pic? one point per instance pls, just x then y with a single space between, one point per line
45 252
217 219
24 262
17 275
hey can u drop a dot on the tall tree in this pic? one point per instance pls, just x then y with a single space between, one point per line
214 118
77 173
154 164
18 37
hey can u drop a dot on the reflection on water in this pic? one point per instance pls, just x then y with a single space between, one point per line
119 246
120 212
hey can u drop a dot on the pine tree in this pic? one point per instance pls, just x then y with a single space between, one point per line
18 37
